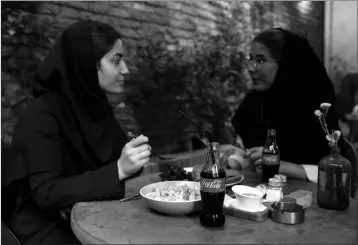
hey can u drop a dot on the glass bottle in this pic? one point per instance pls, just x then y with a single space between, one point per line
212 189
334 180
270 157
205 136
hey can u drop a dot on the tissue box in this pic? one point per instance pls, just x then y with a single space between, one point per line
302 197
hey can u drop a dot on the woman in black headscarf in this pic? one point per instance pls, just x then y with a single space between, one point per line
290 83
68 146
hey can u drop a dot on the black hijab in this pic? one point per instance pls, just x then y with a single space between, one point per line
301 84
301 79
70 71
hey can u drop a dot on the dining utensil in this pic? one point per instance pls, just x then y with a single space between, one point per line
171 207
287 213
133 136
203 133
129 197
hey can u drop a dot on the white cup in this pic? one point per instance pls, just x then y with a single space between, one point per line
248 198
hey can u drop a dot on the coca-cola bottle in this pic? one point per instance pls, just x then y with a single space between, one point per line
270 156
212 189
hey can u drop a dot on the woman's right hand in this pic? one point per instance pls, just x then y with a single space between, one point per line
135 155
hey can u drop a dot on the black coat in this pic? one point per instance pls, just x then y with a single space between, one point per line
301 84
66 144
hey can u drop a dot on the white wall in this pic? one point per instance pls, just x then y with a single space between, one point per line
341 33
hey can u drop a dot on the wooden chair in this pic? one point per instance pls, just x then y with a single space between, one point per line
351 155
7 237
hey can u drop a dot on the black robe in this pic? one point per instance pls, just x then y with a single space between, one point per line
65 146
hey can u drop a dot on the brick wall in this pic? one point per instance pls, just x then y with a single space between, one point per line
139 22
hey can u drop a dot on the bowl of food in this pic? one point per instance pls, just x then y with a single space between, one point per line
173 197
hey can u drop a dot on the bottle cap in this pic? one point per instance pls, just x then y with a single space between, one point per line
282 177
275 182
215 146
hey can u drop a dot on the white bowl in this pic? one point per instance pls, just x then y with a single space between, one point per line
171 207
248 198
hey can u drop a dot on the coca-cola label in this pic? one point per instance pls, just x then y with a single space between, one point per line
270 159
212 185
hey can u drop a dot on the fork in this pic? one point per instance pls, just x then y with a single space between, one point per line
133 136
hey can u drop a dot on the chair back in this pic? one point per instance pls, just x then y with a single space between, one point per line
351 155
7 237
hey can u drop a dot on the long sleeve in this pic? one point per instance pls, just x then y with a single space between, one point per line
248 121
49 166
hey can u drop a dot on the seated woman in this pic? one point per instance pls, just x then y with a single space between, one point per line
68 146
289 84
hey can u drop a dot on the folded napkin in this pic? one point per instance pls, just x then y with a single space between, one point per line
311 172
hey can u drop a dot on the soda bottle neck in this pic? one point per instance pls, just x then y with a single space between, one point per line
212 163
214 147
213 153
271 137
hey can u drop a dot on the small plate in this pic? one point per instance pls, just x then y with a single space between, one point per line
234 178
234 181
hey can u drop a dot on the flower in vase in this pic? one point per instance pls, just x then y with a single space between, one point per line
318 113
325 106
321 115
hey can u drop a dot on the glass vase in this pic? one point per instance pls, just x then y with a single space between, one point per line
334 180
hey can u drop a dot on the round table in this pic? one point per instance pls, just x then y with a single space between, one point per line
113 222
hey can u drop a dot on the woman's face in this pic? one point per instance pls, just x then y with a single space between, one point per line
262 67
112 70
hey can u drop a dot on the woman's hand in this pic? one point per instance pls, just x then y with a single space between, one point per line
135 155
256 153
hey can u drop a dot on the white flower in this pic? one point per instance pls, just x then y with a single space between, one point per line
337 134
329 138
325 106
321 115
318 113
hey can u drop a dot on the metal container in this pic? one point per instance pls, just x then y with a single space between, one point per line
287 213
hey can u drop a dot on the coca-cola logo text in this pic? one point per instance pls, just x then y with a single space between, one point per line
215 184
270 158
212 185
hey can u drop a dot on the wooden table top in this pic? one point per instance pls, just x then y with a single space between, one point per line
113 222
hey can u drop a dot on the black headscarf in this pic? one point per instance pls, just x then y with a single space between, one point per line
301 84
301 79
70 70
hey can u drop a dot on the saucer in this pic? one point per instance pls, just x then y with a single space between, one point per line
234 181
234 177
